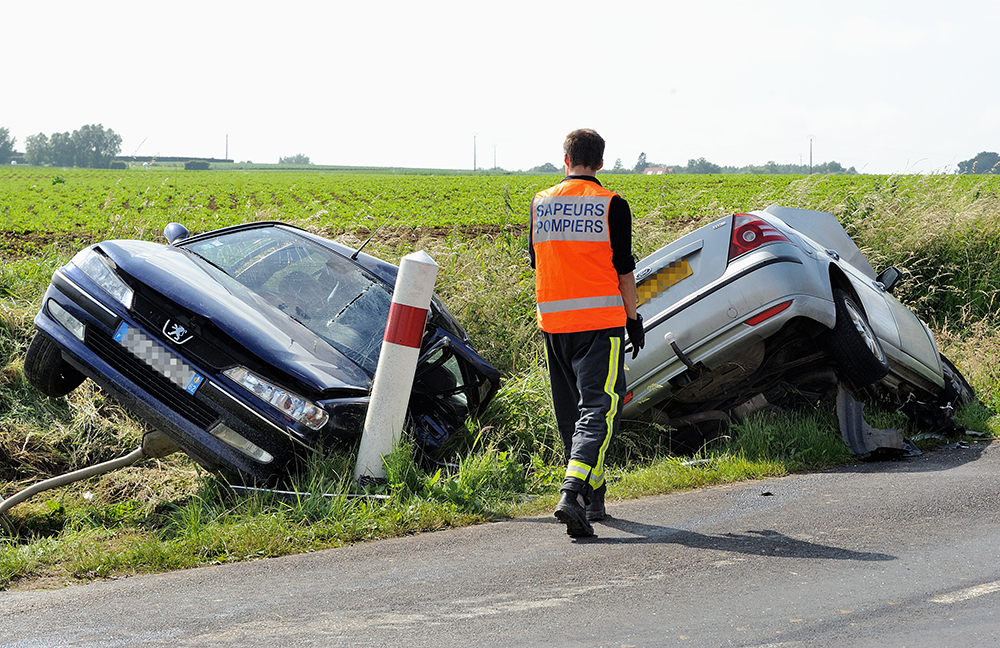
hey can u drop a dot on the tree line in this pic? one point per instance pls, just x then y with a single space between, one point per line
701 165
985 162
91 146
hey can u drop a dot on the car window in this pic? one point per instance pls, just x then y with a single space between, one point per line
440 375
324 291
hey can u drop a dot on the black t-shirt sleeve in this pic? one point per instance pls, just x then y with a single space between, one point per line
620 232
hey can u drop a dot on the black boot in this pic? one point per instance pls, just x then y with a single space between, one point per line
595 510
571 512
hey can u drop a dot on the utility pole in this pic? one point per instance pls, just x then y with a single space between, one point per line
811 138
474 152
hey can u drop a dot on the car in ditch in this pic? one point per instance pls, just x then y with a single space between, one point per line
248 347
779 307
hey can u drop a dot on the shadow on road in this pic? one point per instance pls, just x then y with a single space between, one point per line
764 542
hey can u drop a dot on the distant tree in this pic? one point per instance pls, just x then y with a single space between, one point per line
618 165
37 149
985 162
95 148
6 146
641 164
701 165
62 151
548 167
295 159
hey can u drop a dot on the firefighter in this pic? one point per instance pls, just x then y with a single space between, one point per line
580 245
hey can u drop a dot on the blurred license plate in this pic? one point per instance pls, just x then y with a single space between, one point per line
158 358
657 283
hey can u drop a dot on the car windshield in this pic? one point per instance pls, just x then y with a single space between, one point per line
324 291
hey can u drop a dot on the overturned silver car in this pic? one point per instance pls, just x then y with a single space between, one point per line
774 307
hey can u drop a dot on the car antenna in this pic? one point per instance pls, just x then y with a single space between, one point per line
354 257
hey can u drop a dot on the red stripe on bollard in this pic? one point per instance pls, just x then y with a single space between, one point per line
406 325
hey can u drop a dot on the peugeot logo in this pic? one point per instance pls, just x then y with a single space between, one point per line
176 332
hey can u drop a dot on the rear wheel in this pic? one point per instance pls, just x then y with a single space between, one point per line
45 368
858 353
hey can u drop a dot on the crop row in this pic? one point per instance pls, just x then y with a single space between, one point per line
98 201
140 202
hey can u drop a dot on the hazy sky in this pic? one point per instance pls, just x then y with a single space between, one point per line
884 86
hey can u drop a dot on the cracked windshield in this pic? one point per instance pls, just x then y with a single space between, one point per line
325 292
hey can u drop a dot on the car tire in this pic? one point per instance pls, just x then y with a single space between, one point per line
938 413
45 368
852 342
957 390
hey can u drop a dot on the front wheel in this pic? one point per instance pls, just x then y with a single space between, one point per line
856 350
957 390
45 368
938 413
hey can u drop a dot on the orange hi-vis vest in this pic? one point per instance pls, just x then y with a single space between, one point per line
576 285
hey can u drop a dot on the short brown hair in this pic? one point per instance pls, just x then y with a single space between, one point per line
584 147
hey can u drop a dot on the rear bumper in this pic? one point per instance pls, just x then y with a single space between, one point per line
725 318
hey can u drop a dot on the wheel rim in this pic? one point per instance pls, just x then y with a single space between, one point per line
864 330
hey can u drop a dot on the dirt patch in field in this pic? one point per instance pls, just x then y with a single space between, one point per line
18 245
432 232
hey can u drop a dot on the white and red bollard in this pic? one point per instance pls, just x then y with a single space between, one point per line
397 364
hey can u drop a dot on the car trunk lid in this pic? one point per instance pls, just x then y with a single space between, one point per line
687 266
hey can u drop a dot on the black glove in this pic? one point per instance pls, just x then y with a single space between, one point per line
635 333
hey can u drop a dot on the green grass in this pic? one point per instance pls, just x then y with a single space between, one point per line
167 514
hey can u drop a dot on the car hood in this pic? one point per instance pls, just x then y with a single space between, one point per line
271 335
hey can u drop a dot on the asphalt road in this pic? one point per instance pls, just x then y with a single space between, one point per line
881 554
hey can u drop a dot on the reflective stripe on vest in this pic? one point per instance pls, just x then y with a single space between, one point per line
580 303
576 285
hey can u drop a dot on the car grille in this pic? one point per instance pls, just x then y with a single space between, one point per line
208 347
174 397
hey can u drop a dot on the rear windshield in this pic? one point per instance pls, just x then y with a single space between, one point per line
324 291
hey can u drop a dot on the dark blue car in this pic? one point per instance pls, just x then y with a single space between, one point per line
247 346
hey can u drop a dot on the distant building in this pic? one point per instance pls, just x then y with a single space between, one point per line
657 170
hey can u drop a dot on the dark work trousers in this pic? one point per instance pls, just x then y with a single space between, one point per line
587 374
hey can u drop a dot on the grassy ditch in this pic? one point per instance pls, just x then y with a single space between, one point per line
167 514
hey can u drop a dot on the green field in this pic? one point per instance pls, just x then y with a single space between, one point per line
77 200
157 515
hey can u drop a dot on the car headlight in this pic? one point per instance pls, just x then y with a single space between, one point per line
98 268
289 404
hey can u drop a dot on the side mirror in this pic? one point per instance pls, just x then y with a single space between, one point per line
889 277
175 232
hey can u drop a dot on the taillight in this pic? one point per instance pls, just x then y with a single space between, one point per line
768 314
751 232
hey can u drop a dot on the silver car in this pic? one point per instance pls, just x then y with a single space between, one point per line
772 307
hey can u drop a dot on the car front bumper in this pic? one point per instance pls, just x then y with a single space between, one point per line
147 385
